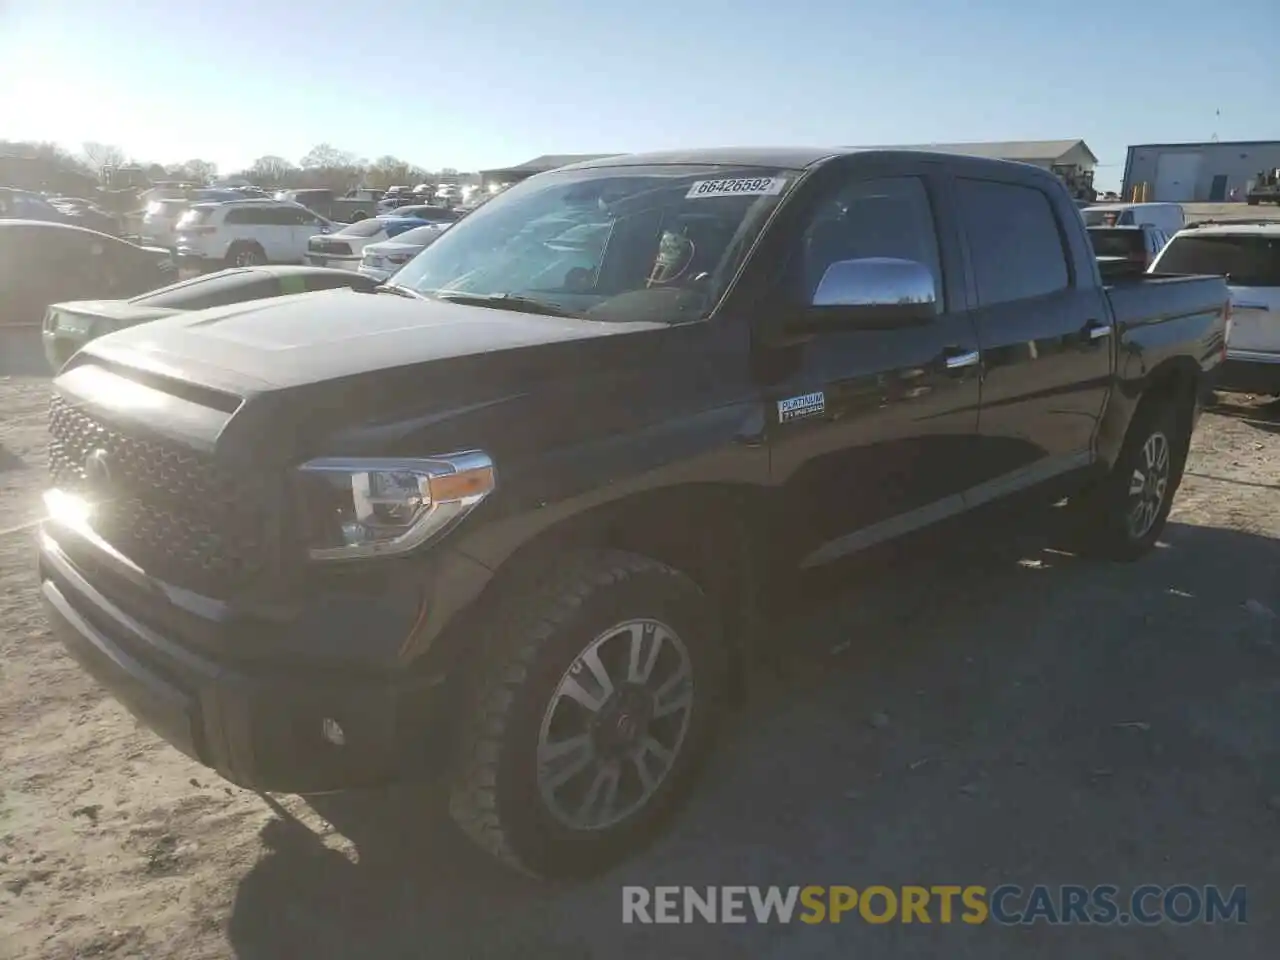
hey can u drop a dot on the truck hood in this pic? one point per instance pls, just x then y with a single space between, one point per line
312 338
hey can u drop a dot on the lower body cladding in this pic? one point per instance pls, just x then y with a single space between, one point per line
1250 371
293 726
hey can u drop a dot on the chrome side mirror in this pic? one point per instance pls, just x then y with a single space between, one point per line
887 289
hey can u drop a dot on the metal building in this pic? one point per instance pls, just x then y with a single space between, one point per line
1203 172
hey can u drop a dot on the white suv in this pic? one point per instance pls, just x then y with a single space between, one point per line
1248 255
242 233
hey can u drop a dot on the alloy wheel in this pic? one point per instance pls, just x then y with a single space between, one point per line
615 725
1148 485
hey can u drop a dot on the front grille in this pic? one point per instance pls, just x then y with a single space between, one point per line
171 510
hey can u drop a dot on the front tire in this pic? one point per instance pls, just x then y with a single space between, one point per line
1125 515
598 695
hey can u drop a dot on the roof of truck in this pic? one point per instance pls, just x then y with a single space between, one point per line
794 158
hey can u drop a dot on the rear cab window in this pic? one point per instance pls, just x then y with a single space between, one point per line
1116 242
1246 260
1015 241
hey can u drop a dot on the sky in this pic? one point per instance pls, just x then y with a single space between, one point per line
491 85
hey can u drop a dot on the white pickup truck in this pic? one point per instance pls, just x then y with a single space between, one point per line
1247 253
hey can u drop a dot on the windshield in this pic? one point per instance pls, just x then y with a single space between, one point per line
610 243
1245 260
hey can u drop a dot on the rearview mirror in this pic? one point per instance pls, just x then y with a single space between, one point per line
874 292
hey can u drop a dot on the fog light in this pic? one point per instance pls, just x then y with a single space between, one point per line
332 731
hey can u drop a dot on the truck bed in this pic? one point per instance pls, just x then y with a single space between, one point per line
1157 297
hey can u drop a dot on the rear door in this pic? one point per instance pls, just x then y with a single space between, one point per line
1045 332
1251 264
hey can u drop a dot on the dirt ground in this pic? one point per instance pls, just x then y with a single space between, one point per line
1007 714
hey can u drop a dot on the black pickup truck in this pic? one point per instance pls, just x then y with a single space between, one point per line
512 515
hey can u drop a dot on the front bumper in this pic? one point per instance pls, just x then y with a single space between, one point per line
1250 372
335 261
263 725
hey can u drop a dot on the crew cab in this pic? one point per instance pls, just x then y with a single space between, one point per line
514 516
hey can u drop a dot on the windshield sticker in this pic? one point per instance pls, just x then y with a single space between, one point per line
743 187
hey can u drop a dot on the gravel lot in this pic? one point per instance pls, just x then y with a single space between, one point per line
1006 713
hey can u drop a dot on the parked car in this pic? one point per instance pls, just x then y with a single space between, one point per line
381 260
245 233
1168 217
429 212
161 215
69 326
521 507
1247 254
344 248
87 214
1125 251
353 207
43 262
25 205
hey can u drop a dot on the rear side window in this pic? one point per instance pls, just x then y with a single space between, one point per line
244 216
884 217
1246 260
1014 241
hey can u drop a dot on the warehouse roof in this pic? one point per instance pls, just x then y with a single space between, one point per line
1013 150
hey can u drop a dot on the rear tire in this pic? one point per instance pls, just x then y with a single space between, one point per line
1125 514
520 790
246 255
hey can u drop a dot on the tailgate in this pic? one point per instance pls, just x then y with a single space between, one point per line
1255 312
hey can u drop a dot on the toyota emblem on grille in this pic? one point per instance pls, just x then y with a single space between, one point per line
97 469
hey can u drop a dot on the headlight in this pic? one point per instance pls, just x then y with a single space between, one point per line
357 508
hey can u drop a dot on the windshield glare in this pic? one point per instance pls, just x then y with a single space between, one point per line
611 243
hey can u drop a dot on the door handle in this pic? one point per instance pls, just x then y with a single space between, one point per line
1096 330
957 359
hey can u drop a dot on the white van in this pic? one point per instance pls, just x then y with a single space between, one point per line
1168 218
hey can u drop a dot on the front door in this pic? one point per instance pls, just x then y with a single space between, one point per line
870 430
1045 333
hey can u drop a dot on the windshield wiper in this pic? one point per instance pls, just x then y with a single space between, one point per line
507 301
398 290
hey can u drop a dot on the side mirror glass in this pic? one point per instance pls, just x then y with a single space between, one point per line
874 292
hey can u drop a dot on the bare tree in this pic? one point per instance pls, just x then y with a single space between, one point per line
269 171
326 156
391 171
198 171
102 156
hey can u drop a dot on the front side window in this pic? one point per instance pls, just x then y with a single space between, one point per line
610 243
1014 241
882 217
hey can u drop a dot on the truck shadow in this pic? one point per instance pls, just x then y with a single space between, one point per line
896 675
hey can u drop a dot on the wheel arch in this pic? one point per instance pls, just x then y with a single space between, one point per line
1175 380
711 532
